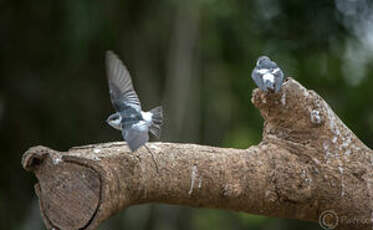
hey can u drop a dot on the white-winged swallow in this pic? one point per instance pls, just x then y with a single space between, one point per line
129 117
267 75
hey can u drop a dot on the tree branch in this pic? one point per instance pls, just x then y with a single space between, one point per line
307 162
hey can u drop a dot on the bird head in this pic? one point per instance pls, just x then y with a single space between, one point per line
265 63
114 120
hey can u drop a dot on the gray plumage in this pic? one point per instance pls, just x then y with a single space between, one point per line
267 75
129 117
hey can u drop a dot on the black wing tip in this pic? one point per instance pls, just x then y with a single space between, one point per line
112 62
113 59
110 55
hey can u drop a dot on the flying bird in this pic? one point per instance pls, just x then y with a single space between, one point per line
267 75
129 117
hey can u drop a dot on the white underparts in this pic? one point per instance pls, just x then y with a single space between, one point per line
116 123
269 77
263 71
142 125
147 116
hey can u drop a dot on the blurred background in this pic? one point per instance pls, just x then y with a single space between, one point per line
193 57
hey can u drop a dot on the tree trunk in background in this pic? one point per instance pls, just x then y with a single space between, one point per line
182 82
309 166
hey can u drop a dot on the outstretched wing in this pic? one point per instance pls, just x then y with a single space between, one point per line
121 89
135 137
257 77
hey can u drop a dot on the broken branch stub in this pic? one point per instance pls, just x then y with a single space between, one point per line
307 162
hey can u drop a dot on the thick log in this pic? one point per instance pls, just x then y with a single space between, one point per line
308 162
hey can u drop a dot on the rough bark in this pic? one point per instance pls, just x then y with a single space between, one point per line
308 162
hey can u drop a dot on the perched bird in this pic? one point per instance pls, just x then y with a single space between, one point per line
129 117
267 75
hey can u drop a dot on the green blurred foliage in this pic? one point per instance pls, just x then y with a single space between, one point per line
194 57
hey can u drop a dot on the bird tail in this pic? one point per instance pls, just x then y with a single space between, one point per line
157 121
